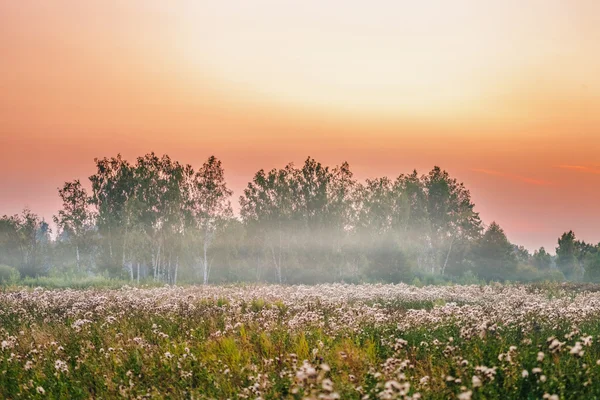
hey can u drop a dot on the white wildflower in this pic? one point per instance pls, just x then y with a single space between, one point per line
61 366
465 395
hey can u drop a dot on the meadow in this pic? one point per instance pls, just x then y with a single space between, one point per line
333 341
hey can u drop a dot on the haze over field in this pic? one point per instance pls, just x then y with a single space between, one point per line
273 199
503 95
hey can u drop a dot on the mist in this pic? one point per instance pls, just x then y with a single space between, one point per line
155 220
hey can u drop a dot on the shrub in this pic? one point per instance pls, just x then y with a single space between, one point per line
389 263
528 273
64 282
469 278
8 275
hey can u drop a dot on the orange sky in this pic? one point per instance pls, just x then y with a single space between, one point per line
505 95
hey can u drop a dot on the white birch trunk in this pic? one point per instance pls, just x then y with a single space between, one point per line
176 269
77 256
447 256
205 269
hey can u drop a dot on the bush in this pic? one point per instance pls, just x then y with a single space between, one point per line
8 275
469 278
388 263
528 273
428 279
592 267
74 282
417 282
552 275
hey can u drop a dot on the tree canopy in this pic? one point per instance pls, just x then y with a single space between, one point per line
157 219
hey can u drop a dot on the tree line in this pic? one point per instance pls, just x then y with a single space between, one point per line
157 219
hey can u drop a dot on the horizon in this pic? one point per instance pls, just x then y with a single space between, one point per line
501 95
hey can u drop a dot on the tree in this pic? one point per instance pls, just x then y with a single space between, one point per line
582 249
591 264
376 208
451 216
9 241
323 218
76 218
25 243
210 205
522 254
412 218
141 208
567 256
389 263
541 259
493 255
302 216
161 211
269 211
339 220
112 187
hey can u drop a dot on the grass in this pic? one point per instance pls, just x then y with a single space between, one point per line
74 282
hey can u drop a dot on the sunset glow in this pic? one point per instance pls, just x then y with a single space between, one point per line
505 95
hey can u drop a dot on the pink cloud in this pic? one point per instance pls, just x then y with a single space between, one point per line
582 168
519 178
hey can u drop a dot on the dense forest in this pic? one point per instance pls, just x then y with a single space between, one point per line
159 220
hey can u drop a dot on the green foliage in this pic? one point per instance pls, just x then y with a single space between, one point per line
494 256
566 253
75 220
8 275
157 219
541 259
389 263
72 282
592 267
469 278
416 282
25 243
528 273
429 279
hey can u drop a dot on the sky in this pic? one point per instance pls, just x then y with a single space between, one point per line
504 95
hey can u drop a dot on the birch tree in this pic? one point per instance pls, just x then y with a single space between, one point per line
210 206
451 216
76 219
267 208
112 187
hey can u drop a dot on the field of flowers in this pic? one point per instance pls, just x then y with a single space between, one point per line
317 342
